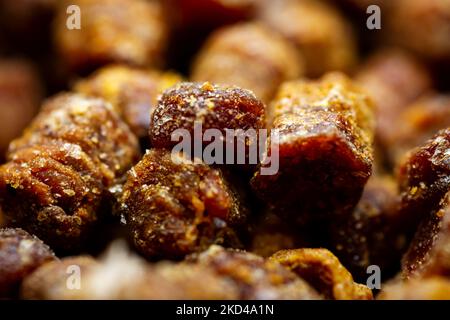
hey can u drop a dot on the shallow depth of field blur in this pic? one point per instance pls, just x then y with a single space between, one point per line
404 66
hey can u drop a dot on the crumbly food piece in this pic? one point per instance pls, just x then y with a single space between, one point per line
323 37
428 21
321 269
429 251
127 31
418 123
219 107
20 95
55 183
433 288
325 130
394 79
255 277
20 254
248 55
132 92
174 206
424 178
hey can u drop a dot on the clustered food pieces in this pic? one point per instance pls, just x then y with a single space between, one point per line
363 164
55 183
215 273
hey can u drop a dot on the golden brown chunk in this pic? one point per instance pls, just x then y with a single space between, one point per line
20 254
250 56
424 178
132 92
255 277
56 182
188 105
20 95
429 252
421 26
325 130
434 288
128 31
418 123
322 36
373 234
322 270
174 206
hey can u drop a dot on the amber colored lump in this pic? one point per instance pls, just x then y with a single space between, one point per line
174 206
187 105
325 129
58 173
